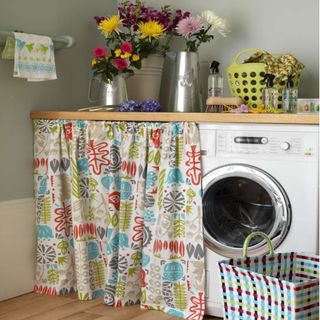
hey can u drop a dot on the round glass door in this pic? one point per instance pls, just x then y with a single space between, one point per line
238 200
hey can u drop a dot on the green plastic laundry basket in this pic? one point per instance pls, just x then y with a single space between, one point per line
246 80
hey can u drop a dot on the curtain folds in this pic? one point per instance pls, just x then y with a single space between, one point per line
119 213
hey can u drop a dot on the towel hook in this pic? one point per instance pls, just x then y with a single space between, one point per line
59 42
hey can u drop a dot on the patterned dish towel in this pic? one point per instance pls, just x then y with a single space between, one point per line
34 57
8 51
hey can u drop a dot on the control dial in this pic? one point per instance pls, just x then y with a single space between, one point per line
285 146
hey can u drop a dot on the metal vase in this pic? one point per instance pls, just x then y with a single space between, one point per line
181 91
112 93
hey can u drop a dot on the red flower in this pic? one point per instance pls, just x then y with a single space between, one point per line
99 52
121 64
126 47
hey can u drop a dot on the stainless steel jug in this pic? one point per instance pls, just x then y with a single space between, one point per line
109 94
181 91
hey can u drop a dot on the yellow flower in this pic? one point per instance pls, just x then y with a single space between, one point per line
135 57
93 62
117 52
126 55
109 25
151 29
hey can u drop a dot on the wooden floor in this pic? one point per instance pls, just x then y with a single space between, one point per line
41 307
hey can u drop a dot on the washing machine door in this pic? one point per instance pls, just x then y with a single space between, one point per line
239 199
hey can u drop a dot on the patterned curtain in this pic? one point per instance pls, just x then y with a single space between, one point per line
119 213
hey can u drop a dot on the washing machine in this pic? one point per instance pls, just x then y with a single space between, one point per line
257 178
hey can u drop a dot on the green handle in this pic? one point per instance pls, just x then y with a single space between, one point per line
240 53
252 235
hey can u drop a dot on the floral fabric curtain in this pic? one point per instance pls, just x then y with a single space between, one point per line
119 213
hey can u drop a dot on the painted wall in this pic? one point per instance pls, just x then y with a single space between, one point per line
276 26
18 97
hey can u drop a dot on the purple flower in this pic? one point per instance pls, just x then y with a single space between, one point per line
143 106
178 17
99 19
189 26
128 106
150 106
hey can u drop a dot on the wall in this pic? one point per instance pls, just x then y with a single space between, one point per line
18 98
276 26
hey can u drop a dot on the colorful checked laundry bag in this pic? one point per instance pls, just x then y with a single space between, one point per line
270 287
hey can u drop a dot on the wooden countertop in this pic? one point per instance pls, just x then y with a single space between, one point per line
172 116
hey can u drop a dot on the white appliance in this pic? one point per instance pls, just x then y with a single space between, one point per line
257 177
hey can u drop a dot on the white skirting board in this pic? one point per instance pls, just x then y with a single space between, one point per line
17 247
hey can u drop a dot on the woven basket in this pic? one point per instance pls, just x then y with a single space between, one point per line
270 287
246 80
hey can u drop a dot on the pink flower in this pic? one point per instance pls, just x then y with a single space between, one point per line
188 26
99 52
121 64
126 47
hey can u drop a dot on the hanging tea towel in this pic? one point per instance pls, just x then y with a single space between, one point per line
8 51
34 57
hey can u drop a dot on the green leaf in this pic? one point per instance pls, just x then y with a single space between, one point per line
122 126
109 131
188 209
191 194
179 228
136 258
114 220
121 289
83 296
126 211
162 176
132 272
150 156
46 210
75 184
91 213
157 158
179 150
62 260
180 295
54 129
36 124
53 276
93 184
134 150
143 296
98 273
93 187
63 246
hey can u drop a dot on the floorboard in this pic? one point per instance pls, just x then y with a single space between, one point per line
41 307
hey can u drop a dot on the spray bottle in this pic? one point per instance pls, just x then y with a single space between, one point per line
270 94
290 97
215 81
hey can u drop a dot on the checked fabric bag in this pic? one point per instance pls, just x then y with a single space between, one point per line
270 287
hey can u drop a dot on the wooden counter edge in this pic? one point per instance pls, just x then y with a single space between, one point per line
172 116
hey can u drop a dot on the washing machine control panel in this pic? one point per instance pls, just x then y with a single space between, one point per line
295 144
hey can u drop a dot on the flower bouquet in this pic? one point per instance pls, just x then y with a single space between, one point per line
135 32
198 29
184 94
